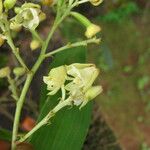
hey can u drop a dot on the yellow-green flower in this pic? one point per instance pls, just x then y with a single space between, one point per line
55 79
29 16
79 97
78 86
83 74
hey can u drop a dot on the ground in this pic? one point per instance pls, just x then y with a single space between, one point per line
125 78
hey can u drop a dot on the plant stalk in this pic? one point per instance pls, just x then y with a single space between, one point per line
28 82
47 118
71 45
19 106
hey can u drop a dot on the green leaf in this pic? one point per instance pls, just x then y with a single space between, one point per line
69 127
5 135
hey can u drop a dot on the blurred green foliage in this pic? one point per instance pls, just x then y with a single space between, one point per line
105 60
121 13
143 81
3 60
144 146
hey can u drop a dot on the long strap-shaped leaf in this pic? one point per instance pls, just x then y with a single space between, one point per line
68 129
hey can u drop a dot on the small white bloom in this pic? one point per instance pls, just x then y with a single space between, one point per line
80 88
84 74
29 16
55 79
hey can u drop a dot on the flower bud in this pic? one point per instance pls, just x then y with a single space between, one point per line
4 72
19 71
49 2
2 40
93 92
15 26
96 2
35 44
82 19
17 10
42 16
8 4
92 30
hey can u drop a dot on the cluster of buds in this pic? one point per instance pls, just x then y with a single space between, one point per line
76 80
6 71
29 15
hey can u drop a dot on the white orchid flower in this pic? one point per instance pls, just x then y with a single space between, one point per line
80 88
82 98
83 74
29 16
55 79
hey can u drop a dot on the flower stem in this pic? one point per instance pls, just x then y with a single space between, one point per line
47 118
28 81
71 45
16 51
19 106
37 36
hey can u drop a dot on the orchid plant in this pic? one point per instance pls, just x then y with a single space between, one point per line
76 80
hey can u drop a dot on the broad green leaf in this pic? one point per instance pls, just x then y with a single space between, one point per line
69 127
5 135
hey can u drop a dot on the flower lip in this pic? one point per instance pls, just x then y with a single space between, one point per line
54 81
